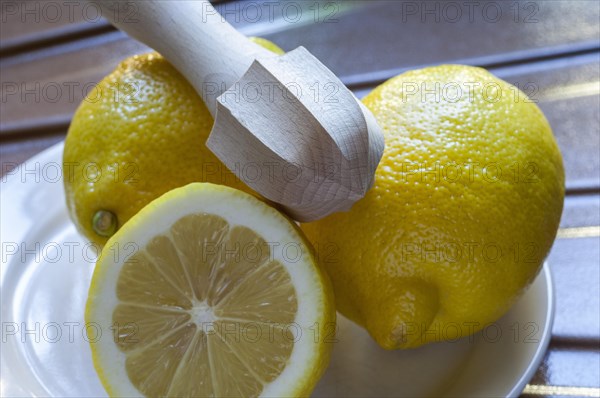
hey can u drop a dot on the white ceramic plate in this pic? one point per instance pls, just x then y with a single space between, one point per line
46 270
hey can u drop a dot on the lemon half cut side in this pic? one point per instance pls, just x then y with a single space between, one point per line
208 291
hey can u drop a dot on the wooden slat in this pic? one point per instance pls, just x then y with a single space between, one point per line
26 22
568 92
499 27
30 24
575 264
14 152
41 88
391 35
580 211
572 372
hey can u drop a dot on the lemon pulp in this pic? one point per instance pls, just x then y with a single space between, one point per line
186 314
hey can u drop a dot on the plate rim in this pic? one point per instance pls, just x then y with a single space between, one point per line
542 347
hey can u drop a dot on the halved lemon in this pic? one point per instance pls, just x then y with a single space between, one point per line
208 291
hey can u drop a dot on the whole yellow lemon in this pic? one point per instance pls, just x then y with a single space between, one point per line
465 207
138 134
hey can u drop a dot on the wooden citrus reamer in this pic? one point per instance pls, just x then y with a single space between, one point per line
285 125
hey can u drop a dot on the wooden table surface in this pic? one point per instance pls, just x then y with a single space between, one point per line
52 52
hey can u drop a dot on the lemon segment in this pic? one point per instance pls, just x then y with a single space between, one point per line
213 301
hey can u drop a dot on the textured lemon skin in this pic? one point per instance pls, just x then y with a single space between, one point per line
140 133
395 266
320 358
